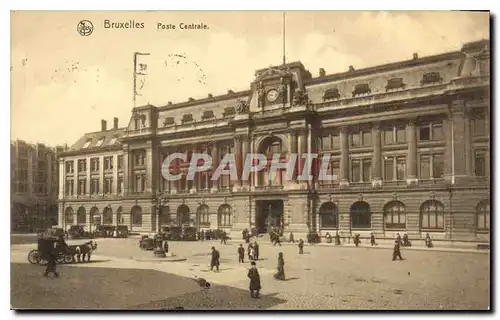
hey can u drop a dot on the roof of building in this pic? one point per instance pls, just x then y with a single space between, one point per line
98 139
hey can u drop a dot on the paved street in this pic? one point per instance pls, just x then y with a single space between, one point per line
325 277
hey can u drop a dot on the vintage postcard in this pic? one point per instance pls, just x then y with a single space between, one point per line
211 160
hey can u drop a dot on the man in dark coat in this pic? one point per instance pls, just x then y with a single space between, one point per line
291 239
165 246
49 253
215 259
223 237
372 239
301 246
256 250
397 252
241 254
253 275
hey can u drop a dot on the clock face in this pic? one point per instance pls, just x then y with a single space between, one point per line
272 95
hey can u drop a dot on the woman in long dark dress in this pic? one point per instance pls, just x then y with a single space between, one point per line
253 275
280 275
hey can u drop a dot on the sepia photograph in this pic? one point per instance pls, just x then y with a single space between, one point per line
250 160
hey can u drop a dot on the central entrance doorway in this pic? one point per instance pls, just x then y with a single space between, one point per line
269 215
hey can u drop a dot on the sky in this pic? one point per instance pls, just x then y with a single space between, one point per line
63 84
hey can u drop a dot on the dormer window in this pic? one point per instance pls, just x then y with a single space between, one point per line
431 77
395 83
207 114
229 112
361 89
87 143
331 94
187 118
168 121
113 140
99 142
139 121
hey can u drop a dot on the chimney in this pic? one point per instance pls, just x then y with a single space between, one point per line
351 68
169 103
230 91
415 56
103 125
322 72
210 95
190 99
115 123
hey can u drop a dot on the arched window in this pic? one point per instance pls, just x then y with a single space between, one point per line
183 215
432 215
271 147
136 213
360 215
224 214
395 215
107 216
164 215
69 215
81 216
119 216
95 217
328 215
483 215
203 215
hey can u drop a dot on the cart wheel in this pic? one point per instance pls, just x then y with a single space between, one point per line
34 257
68 258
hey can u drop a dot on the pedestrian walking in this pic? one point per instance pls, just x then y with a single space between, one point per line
356 240
251 255
397 251
253 275
337 239
202 235
301 246
291 239
372 239
165 246
256 250
249 251
398 238
215 259
241 254
428 241
223 238
277 239
280 275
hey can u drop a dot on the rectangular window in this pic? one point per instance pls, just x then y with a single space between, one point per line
437 131
203 180
400 168
356 171
388 168
69 166
69 187
326 142
82 165
355 139
480 163
437 165
389 136
120 162
182 183
108 185
367 170
94 164
336 142
400 134
367 138
424 133
335 165
94 186
82 187
479 123
108 163
120 185
425 167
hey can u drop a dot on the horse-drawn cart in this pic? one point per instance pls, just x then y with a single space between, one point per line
47 246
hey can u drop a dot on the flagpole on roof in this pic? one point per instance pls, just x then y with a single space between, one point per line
135 76
284 59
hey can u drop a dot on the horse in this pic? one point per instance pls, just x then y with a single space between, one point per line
85 249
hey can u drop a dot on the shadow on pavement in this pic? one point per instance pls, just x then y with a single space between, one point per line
218 297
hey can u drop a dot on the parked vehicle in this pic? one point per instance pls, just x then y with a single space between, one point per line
78 232
103 231
122 232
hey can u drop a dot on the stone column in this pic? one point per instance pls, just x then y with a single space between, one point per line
468 143
344 158
215 163
459 140
115 176
293 150
411 134
244 153
377 156
238 160
62 178
448 168
127 164
149 171
302 150
75 176
87 191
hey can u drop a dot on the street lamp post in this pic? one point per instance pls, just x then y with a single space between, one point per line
159 202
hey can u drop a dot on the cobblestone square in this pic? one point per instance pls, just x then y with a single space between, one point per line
324 277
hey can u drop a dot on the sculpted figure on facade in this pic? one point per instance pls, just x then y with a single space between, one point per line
261 94
300 98
242 107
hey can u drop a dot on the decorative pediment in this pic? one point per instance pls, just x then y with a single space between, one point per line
272 73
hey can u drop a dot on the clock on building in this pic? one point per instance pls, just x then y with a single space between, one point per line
272 95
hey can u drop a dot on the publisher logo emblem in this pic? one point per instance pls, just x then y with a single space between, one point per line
85 28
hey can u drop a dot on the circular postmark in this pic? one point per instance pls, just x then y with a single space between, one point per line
85 28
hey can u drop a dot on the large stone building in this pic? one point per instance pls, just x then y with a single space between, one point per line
34 185
409 141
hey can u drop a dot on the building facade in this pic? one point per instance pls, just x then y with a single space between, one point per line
34 185
410 142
